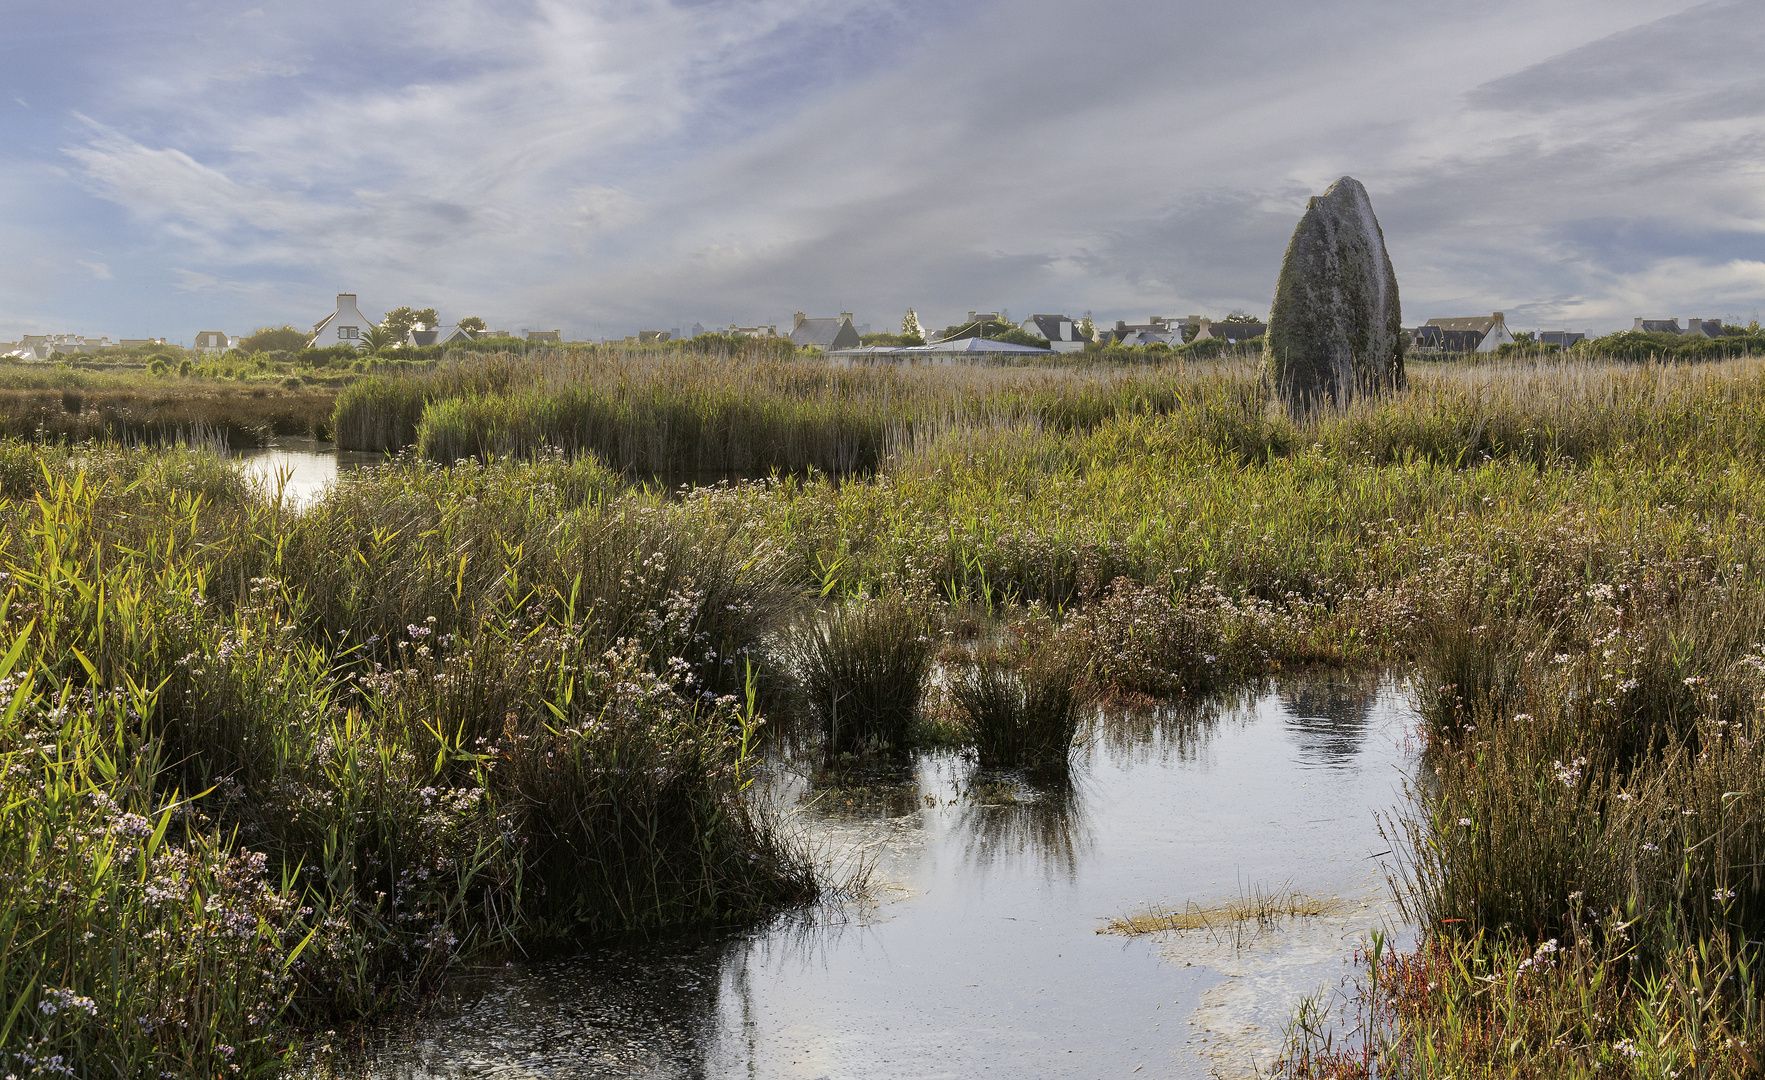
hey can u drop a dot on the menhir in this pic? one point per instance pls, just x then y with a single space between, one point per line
1334 330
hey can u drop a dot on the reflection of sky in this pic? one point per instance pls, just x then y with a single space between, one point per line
601 167
979 949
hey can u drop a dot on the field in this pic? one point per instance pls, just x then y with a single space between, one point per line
268 771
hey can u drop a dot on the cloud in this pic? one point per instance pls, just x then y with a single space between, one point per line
645 162
98 270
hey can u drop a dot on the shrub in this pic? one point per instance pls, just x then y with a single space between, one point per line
1021 711
862 666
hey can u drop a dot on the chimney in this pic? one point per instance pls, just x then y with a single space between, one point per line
845 316
1694 325
797 321
971 316
1121 324
1500 318
1638 325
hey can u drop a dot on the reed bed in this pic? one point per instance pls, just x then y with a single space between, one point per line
515 739
242 416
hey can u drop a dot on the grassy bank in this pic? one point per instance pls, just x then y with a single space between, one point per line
513 699
438 715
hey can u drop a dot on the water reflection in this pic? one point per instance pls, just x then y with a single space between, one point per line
301 468
1018 823
1328 716
1176 731
978 949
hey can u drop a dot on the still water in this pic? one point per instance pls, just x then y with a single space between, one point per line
977 952
304 467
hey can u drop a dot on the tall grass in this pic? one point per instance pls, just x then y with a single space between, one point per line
1024 711
339 781
462 707
862 666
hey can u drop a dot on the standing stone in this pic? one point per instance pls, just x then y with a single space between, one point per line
1334 329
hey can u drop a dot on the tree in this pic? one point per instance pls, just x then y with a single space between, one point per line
379 337
401 321
981 328
1086 329
910 325
472 323
268 339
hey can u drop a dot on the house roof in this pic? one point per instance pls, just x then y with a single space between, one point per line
956 345
1049 326
824 333
1476 323
422 337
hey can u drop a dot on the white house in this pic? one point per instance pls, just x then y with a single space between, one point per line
1060 332
345 326
1475 333
212 343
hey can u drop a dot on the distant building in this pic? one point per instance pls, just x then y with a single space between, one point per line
752 331
446 335
1694 327
1560 338
345 326
824 334
1477 333
212 343
699 328
653 337
137 342
555 336
1232 331
1154 331
1060 332
44 346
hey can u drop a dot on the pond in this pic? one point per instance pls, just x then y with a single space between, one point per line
310 466
977 951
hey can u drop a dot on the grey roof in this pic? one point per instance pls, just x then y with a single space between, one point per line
1049 326
826 334
936 348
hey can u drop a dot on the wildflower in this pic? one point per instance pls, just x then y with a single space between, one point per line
1722 894
1464 821
1625 796
1523 718
1626 1048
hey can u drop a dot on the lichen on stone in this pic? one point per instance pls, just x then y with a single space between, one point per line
1335 328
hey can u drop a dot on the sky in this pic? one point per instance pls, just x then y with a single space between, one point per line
606 167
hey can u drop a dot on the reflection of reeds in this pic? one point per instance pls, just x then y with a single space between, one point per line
1049 826
1147 729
